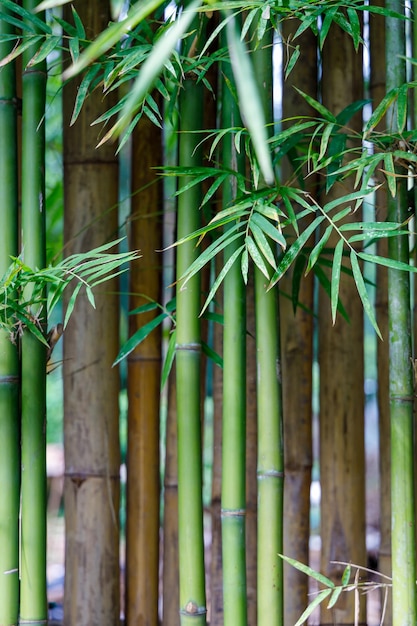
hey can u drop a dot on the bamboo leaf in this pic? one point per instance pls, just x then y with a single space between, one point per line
293 251
355 26
320 108
336 269
245 265
139 336
315 253
221 276
321 578
17 51
325 140
312 606
78 24
334 597
386 262
71 303
152 67
380 111
256 256
212 354
28 16
402 107
169 359
292 61
90 296
346 575
360 285
47 47
355 195
390 172
269 229
249 100
325 283
83 91
112 35
262 243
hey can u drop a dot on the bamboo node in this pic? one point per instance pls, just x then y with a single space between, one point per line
270 474
192 609
233 512
196 347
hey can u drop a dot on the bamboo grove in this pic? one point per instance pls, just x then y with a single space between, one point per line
269 150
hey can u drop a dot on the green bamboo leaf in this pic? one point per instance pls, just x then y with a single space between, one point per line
74 48
320 108
249 100
27 16
256 256
16 52
83 91
346 575
336 270
78 24
144 308
360 285
294 250
307 22
245 265
269 229
402 107
329 16
112 35
325 140
152 67
297 275
380 111
322 595
71 303
215 248
90 296
262 243
316 251
137 338
50 4
355 195
348 112
292 61
391 263
390 172
212 354
334 597
169 358
321 578
47 47
221 276
325 283
355 26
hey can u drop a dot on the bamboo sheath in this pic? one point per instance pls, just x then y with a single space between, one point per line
9 367
342 455
91 385
297 357
33 601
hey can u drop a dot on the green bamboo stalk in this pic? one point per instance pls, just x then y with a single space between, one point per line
404 596
9 365
270 440
188 357
233 498
33 602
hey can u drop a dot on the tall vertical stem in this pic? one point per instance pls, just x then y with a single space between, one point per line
188 358
269 392
33 604
233 501
9 366
404 597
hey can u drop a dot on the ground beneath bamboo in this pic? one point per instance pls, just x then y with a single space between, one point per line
56 543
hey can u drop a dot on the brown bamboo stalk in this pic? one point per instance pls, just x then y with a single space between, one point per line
342 458
144 379
297 356
91 385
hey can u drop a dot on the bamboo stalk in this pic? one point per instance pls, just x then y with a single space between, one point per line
297 357
270 470
91 385
233 499
378 90
9 365
144 374
33 601
188 358
401 383
342 439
